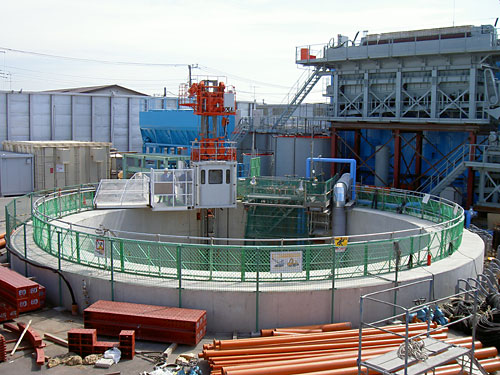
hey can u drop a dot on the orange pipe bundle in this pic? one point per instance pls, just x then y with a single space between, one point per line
297 350
306 329
298 345
292 367
490 365
261 341
217 363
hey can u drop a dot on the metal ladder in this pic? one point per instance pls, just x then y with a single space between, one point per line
298 98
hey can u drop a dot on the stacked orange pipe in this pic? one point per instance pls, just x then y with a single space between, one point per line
307 350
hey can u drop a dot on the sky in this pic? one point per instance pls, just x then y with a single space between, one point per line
147 45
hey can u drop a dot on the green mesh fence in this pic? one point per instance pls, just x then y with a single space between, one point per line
318 259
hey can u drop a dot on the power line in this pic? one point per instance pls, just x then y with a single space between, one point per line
93 78
90 60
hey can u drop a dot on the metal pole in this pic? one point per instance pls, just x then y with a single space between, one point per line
7 230
360 335
334 258
59 266
257 293
179 272
112 271
211 256
407 322
25 251
398 258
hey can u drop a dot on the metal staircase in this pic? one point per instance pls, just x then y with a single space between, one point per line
302 91
448 171
240 130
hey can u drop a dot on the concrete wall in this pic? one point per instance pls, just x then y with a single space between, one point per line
80 117
234 309
361 221
229 223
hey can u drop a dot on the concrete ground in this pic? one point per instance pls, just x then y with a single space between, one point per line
51 320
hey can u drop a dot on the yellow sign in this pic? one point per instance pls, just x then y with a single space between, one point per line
341 241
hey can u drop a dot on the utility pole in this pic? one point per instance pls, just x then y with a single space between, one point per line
191 66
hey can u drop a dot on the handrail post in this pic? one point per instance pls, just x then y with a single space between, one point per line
59 265
112 270
257 280
179 273
334 260
7 230
25 251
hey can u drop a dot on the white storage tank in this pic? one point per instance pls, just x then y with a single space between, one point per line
16 173
65 163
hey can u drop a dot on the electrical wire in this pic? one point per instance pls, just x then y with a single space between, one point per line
90 60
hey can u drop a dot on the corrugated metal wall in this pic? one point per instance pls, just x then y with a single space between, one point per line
79 117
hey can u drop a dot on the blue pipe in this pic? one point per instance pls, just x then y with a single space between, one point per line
469 214
352 169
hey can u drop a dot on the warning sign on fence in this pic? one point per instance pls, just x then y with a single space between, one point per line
289 261
99 247
340 243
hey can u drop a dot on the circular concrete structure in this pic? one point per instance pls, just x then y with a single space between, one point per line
159 258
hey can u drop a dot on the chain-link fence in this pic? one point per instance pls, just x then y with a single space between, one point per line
286 264
215 262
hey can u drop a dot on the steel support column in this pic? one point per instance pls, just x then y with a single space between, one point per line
333 149
470 171
418 159
397 158
357 145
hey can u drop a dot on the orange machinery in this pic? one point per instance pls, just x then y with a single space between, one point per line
210 101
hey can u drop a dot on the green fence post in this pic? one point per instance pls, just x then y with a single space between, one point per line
122 260
211 258
365 261
80 195
308 263
78 246
442 244
257 292
334 260
15 213
25 251
59 266
410 262
179 272
49 237
397 254
7 230
243 263
112 270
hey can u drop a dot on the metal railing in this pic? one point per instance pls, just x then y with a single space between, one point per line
238 260
452 163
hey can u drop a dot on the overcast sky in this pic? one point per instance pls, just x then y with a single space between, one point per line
250 42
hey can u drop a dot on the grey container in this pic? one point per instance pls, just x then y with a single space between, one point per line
16 173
